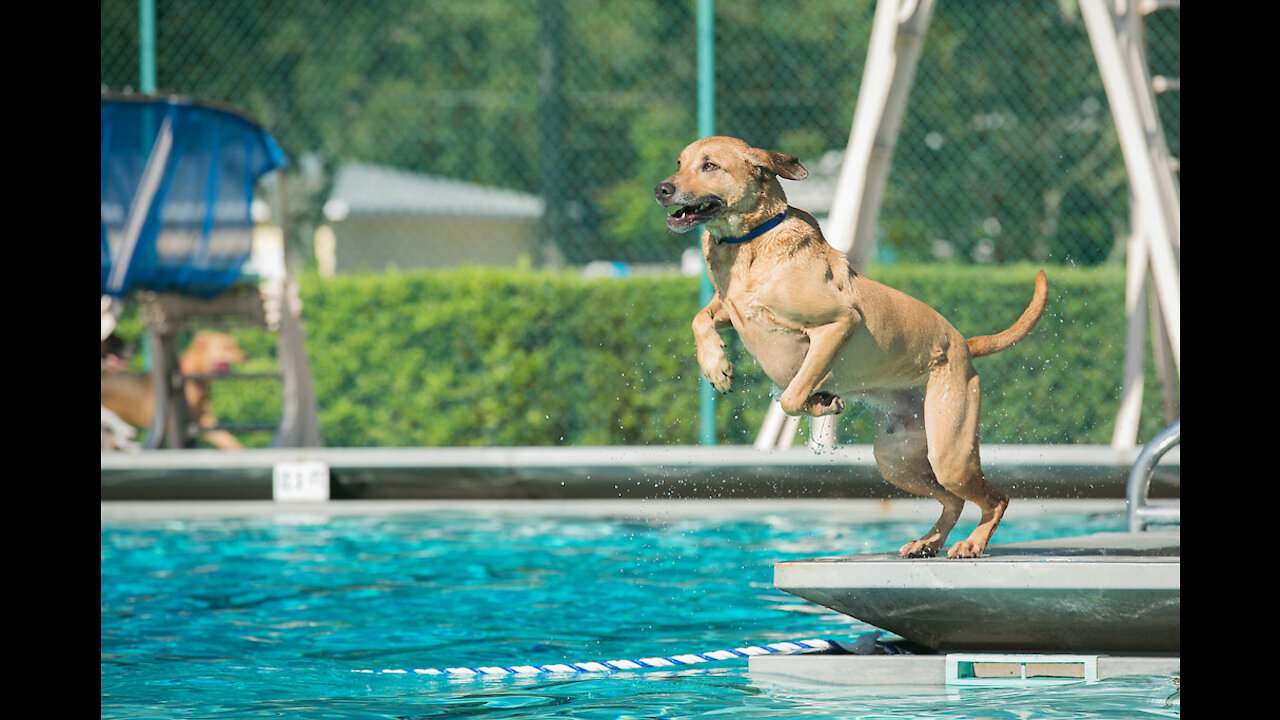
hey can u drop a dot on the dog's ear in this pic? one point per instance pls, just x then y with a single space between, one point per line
780 164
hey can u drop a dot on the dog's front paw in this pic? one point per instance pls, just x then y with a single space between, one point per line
718 372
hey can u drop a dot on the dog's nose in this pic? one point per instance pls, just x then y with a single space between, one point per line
664 191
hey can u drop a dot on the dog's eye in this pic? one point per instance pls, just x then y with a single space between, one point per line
708 166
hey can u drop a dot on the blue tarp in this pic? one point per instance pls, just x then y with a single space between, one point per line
177 184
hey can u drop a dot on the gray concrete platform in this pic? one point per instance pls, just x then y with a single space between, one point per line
1112 593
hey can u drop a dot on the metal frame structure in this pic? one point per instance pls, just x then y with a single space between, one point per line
269 301
1115 32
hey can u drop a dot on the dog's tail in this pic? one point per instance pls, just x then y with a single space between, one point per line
989 344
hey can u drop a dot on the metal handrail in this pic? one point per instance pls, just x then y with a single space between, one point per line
1141 511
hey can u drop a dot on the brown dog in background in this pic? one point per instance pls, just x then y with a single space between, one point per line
132 397
823 331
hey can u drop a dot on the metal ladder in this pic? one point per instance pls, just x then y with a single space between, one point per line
1141 510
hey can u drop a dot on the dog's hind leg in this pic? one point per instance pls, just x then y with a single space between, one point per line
951 408
902 455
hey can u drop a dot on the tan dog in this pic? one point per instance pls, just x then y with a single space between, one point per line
132 397
824 332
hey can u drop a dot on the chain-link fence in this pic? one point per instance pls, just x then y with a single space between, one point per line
437 133
543 124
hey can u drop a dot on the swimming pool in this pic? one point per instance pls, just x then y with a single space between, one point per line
276 615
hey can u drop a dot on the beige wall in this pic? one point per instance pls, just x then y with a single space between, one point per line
377 243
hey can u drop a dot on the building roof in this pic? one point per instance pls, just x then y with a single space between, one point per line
366 189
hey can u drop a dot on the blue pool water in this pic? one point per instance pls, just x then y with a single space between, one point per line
263 617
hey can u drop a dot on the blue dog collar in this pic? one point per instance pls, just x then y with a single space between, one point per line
760 229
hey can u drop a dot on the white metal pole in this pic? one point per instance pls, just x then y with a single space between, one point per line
897 34
1126 430
1144 153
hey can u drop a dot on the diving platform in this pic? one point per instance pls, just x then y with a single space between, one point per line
1067 609
1108 592
1109 602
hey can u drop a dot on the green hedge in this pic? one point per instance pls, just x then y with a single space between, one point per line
483 356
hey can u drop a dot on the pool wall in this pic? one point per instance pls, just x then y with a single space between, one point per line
1041 471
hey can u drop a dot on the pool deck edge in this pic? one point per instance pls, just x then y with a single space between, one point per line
848 509
1077 471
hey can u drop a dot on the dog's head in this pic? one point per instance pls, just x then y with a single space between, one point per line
720 180
211 352
115 356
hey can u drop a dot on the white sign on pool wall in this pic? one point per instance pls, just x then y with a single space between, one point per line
300 481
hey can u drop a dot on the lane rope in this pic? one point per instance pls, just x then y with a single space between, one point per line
788 648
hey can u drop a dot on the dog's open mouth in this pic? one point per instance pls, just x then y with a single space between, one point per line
689 215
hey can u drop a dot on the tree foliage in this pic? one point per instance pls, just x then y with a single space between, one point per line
1007 152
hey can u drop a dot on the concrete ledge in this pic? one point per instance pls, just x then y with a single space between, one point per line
608 472
849 510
